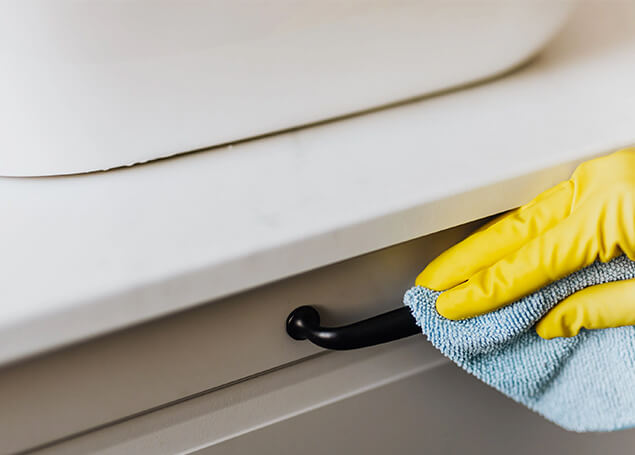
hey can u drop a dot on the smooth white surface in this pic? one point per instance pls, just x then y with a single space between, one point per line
82 255
94 85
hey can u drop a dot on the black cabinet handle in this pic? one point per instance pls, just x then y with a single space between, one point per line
304 324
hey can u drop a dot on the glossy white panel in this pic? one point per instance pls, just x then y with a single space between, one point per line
90 85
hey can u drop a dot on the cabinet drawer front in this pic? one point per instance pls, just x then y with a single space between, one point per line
163 361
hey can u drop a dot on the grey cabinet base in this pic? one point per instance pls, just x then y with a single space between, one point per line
443 411
399 397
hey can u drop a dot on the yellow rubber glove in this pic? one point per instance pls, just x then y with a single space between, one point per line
590 216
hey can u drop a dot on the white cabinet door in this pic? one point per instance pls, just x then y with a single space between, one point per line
152 365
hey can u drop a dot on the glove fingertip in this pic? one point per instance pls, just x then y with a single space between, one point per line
432 277
447 307
554 325
546 332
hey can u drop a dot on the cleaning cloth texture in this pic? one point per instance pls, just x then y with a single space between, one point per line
582 383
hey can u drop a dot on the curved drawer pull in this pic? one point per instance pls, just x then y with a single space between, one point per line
304 324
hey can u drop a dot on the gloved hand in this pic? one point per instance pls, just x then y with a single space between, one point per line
590 216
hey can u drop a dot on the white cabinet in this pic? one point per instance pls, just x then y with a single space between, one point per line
224 378
152 365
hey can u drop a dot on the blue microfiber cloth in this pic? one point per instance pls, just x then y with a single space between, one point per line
583 383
